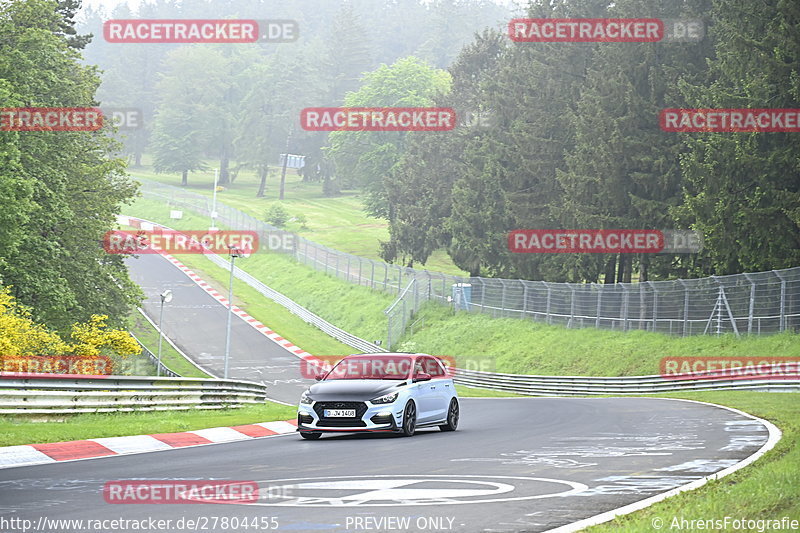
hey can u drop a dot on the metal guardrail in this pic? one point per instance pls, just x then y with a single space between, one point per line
297 309
586 386
63 395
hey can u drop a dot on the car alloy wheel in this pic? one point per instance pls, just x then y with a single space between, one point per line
452 417
409 419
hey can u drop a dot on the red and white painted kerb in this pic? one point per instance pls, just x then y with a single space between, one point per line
53 452
287 345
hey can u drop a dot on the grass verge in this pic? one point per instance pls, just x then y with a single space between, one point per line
18 430
338 222
148 335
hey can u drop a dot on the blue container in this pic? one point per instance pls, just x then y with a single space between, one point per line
462 296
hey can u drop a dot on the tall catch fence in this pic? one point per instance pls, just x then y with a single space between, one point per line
748 303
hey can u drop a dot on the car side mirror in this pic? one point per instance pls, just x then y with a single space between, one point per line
319 376
422 376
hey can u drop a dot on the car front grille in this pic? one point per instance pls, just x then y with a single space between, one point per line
356 421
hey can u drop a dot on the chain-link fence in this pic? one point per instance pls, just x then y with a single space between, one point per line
764 302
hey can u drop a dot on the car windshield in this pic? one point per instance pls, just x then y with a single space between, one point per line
381 367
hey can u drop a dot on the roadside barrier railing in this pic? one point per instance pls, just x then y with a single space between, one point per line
586 386
103 394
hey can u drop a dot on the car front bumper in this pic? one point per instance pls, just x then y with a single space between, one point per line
375 418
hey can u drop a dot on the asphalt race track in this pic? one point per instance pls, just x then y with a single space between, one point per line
514 465
196 322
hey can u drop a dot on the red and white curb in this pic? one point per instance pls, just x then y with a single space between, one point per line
53 452
263 329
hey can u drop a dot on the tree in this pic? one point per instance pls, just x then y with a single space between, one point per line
742 190
367 157
68 185
183 123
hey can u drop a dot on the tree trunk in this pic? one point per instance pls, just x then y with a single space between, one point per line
137 159
263 170
285 162
628 269
609 277
185 178
621 268
224 160
644 268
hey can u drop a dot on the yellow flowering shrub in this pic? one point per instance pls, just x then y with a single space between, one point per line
93 338
21 339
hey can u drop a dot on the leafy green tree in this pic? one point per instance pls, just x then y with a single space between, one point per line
68 186
182 126
367 157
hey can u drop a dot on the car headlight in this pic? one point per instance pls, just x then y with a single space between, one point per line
306 399
389 398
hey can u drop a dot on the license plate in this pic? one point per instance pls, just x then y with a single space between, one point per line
345 413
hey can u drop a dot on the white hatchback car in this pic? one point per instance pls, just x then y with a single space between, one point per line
393 392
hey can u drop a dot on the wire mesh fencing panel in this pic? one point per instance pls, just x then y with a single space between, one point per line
749 303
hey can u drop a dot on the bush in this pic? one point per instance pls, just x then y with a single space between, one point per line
276 215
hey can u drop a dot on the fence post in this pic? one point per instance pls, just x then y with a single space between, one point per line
547 306
782 323
347 274
685 306
385 276
524 297
372 273
599 304
655 303
403 317
503 298
571 305
359 271
625 299
751 308
399 279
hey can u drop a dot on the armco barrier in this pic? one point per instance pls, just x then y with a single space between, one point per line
587 386
62 395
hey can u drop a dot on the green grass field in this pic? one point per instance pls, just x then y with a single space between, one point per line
19 430
339 222
148 335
